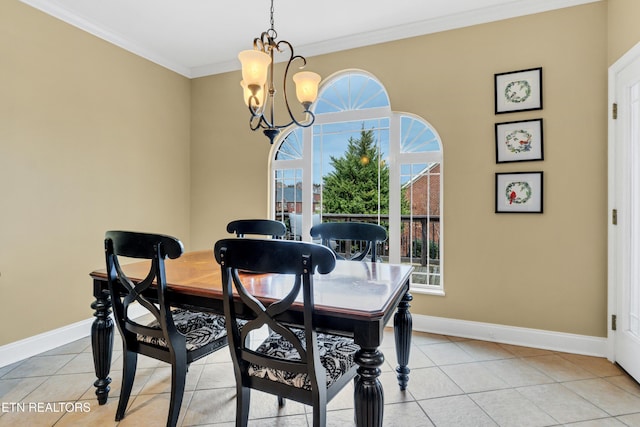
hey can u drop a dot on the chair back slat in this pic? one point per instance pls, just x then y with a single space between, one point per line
369 234
141 245
269 256
263 227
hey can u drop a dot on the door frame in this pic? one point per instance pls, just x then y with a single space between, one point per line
612 273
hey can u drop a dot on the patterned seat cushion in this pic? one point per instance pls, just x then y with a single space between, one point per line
336 355
199 328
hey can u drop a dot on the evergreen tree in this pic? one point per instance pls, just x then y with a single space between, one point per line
352 187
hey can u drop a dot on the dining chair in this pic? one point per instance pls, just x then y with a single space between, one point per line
368 235
297 363
175 336
265 227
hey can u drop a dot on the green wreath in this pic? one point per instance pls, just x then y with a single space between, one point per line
522 198
518 141
513 91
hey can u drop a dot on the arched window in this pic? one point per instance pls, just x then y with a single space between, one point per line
361 161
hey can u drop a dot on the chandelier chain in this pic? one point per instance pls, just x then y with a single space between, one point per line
272 30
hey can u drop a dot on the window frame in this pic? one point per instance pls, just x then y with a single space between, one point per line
396 159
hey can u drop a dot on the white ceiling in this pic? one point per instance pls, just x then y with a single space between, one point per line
201 37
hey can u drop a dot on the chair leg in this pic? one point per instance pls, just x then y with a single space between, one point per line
281 402
178 380
130 361
243 397
320 415
319 401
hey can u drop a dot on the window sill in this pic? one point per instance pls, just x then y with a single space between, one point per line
426 291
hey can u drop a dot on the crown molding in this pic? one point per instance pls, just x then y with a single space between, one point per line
451 22
57 11
490 14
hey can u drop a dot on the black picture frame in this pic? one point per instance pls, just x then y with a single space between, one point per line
519 192
517 91
519 141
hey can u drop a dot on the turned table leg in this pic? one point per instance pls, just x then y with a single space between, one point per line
402 325
102 344
368 394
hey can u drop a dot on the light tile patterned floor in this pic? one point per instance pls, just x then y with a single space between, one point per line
454 382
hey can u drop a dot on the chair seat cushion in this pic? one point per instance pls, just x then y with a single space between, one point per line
199 328
336 355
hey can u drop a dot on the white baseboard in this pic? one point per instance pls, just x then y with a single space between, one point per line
536 338
23 349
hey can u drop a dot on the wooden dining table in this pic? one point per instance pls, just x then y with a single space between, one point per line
356 299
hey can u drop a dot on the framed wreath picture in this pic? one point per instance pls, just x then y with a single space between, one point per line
518 90
519 141
519 192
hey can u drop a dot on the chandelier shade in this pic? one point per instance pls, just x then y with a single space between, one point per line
306 87
255 67
259 89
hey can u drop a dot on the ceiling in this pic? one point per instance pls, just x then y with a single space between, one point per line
196 38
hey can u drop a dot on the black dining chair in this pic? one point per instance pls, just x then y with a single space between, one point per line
297 363
264 227
175 336
363 236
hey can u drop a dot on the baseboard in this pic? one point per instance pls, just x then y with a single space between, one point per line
28 347
536 338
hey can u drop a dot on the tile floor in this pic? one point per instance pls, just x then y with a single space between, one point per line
454 382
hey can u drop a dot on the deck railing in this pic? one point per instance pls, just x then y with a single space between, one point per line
419 242
419 247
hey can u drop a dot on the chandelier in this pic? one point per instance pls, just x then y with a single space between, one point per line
258 87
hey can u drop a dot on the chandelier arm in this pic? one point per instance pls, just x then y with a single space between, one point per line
309 122
254 106
256 120
297 123
261 43
293 121
293 57
260 122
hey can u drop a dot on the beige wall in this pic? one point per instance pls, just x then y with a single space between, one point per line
91 138
538 271
228 161
69 103
624 31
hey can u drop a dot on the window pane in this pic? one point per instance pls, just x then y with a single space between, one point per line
351 91
350 167
417 136
420 225
291 147
288 200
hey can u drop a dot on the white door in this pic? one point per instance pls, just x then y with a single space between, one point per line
624 200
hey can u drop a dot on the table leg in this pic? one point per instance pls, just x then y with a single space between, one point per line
102 344
368 395
402 325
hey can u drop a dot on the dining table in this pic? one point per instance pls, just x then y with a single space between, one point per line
356 299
